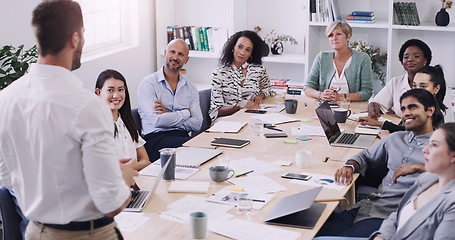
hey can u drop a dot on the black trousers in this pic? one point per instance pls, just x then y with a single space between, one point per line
167 139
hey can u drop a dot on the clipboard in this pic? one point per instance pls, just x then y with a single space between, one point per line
298 210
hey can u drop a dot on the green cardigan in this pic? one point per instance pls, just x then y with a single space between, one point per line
358 74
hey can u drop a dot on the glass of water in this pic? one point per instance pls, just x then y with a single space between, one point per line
345 103
257 128
244 203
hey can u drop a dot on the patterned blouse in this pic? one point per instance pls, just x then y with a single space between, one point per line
227 89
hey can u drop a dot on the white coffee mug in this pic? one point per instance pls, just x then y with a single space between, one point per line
303 158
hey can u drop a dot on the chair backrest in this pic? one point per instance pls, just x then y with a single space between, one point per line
204 102
137 119
10 218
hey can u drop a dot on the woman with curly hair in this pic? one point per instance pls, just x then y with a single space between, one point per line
240 81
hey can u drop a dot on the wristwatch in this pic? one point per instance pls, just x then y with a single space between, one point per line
349 165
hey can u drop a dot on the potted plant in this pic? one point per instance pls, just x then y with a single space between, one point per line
275 41
15 63
378 58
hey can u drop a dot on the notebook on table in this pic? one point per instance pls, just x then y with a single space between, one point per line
226 127
335 136
140 198
229 142
298 210
195 157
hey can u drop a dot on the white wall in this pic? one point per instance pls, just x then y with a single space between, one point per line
134 63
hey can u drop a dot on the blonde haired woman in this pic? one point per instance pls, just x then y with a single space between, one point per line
341 72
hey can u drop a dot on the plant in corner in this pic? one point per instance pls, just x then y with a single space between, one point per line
15 63
275 41
378 58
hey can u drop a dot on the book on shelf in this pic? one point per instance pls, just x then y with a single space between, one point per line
199 38
336 10
325 10
406 13
361 21
367 18
363 13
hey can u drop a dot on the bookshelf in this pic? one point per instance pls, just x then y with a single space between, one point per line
387 34
287 17
292 17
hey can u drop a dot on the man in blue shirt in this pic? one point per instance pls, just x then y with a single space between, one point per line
168 103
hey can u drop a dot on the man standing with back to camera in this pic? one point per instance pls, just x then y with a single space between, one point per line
56 139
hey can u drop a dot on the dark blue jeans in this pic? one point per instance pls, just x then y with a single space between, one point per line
340 224
169 139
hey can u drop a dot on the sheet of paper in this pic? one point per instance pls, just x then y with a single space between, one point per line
319 180
366 129
227 126
275 118
180 172
129 221
307 130
251 163
241 229
356 116
180 210
272 107
258 184
225 196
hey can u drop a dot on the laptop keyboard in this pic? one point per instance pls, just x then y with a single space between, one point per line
138 199
348 138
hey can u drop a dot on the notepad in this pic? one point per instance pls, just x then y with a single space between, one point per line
229 142
181 172
189 187
227 127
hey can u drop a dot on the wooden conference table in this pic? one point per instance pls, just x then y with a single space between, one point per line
266 149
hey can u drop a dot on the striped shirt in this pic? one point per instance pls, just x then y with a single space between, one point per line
227 88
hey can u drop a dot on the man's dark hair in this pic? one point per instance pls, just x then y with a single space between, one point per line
54 22
437 78
424 97
418 43
259 48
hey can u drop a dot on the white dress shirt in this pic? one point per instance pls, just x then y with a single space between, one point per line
57 148
339 80
389 97
124 144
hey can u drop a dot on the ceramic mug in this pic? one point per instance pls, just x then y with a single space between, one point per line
220 173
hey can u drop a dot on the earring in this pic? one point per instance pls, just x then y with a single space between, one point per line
250 58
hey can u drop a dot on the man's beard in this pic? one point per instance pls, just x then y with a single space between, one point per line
173 69
77 58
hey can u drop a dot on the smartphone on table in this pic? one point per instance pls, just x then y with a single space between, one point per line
296 176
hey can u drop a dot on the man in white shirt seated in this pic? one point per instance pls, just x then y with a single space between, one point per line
56 139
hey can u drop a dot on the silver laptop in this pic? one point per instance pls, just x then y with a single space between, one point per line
141 198
335 136
298 210
195 157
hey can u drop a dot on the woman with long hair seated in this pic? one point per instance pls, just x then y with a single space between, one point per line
241 80
111 87
341 72
429 78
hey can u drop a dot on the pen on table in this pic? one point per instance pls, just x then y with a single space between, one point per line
257 200
245 173
276 129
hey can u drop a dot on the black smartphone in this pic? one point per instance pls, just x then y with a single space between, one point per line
255 111
275 135
296 176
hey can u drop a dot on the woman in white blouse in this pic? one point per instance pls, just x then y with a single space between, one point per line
111 87
241 80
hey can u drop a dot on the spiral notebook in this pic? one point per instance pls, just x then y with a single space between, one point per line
181 172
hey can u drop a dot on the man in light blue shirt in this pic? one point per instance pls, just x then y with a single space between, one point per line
168 103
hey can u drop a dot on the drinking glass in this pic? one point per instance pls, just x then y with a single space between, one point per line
257 128
244 203
345 103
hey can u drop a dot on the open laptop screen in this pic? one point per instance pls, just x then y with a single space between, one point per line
328 122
